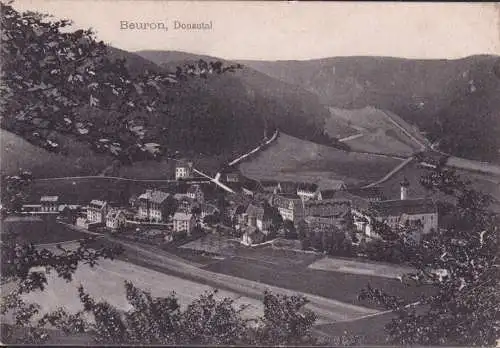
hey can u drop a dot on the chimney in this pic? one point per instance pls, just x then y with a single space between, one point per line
405 184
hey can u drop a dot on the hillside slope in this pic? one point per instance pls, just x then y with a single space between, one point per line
274 103
455 102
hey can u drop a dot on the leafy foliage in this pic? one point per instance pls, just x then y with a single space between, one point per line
462 263
55 80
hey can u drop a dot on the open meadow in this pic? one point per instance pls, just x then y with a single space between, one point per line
39 231
290 158
379 131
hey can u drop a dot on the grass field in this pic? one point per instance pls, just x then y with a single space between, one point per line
290 158
106 282
289 269
18 153
39 231
380 135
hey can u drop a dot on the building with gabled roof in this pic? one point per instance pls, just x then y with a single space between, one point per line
49 203
153 205
183 222
396 213
183 169
256 217
96 211
252 235
290 207
196 193
115 219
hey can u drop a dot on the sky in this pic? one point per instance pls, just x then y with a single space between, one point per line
290 30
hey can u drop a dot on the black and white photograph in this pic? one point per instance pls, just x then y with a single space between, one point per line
249 173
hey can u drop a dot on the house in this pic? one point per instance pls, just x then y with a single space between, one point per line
183 222
250 187
269 186
97 211
69 211
183 170
371 194
153 205
196 193
290 207
337 211
256 217
184 202
287 188
115 219
49 203
252 235
396 213
331 192
231 175
326 225
208 209
307 191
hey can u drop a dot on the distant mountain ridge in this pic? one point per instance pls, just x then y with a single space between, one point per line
456 102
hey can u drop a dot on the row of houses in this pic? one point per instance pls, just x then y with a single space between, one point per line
337 208
150 207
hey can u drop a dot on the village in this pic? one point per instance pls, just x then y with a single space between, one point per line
251 211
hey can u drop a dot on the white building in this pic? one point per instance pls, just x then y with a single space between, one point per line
115 219
49 203
183 222
153 205
183 170
97 211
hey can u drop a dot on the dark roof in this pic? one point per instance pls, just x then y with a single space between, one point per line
357 202
52 199
307 187
95 203
183 163
329 208
406 206
255 211
328 194
288 187
194 188
283 201
268 183
367 192
251 185
155 196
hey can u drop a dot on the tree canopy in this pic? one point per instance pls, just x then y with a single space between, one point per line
461 261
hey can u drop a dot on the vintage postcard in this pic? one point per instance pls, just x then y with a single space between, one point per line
225 173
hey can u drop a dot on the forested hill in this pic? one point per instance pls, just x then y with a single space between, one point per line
457 102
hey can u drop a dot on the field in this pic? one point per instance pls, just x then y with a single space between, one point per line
288 269
106 282
18 153
290 158
36 230
380 135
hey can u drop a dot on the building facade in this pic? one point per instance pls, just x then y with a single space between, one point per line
115 219
49 204
153 205
183 222
196 193
290 207
183 170
97 211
